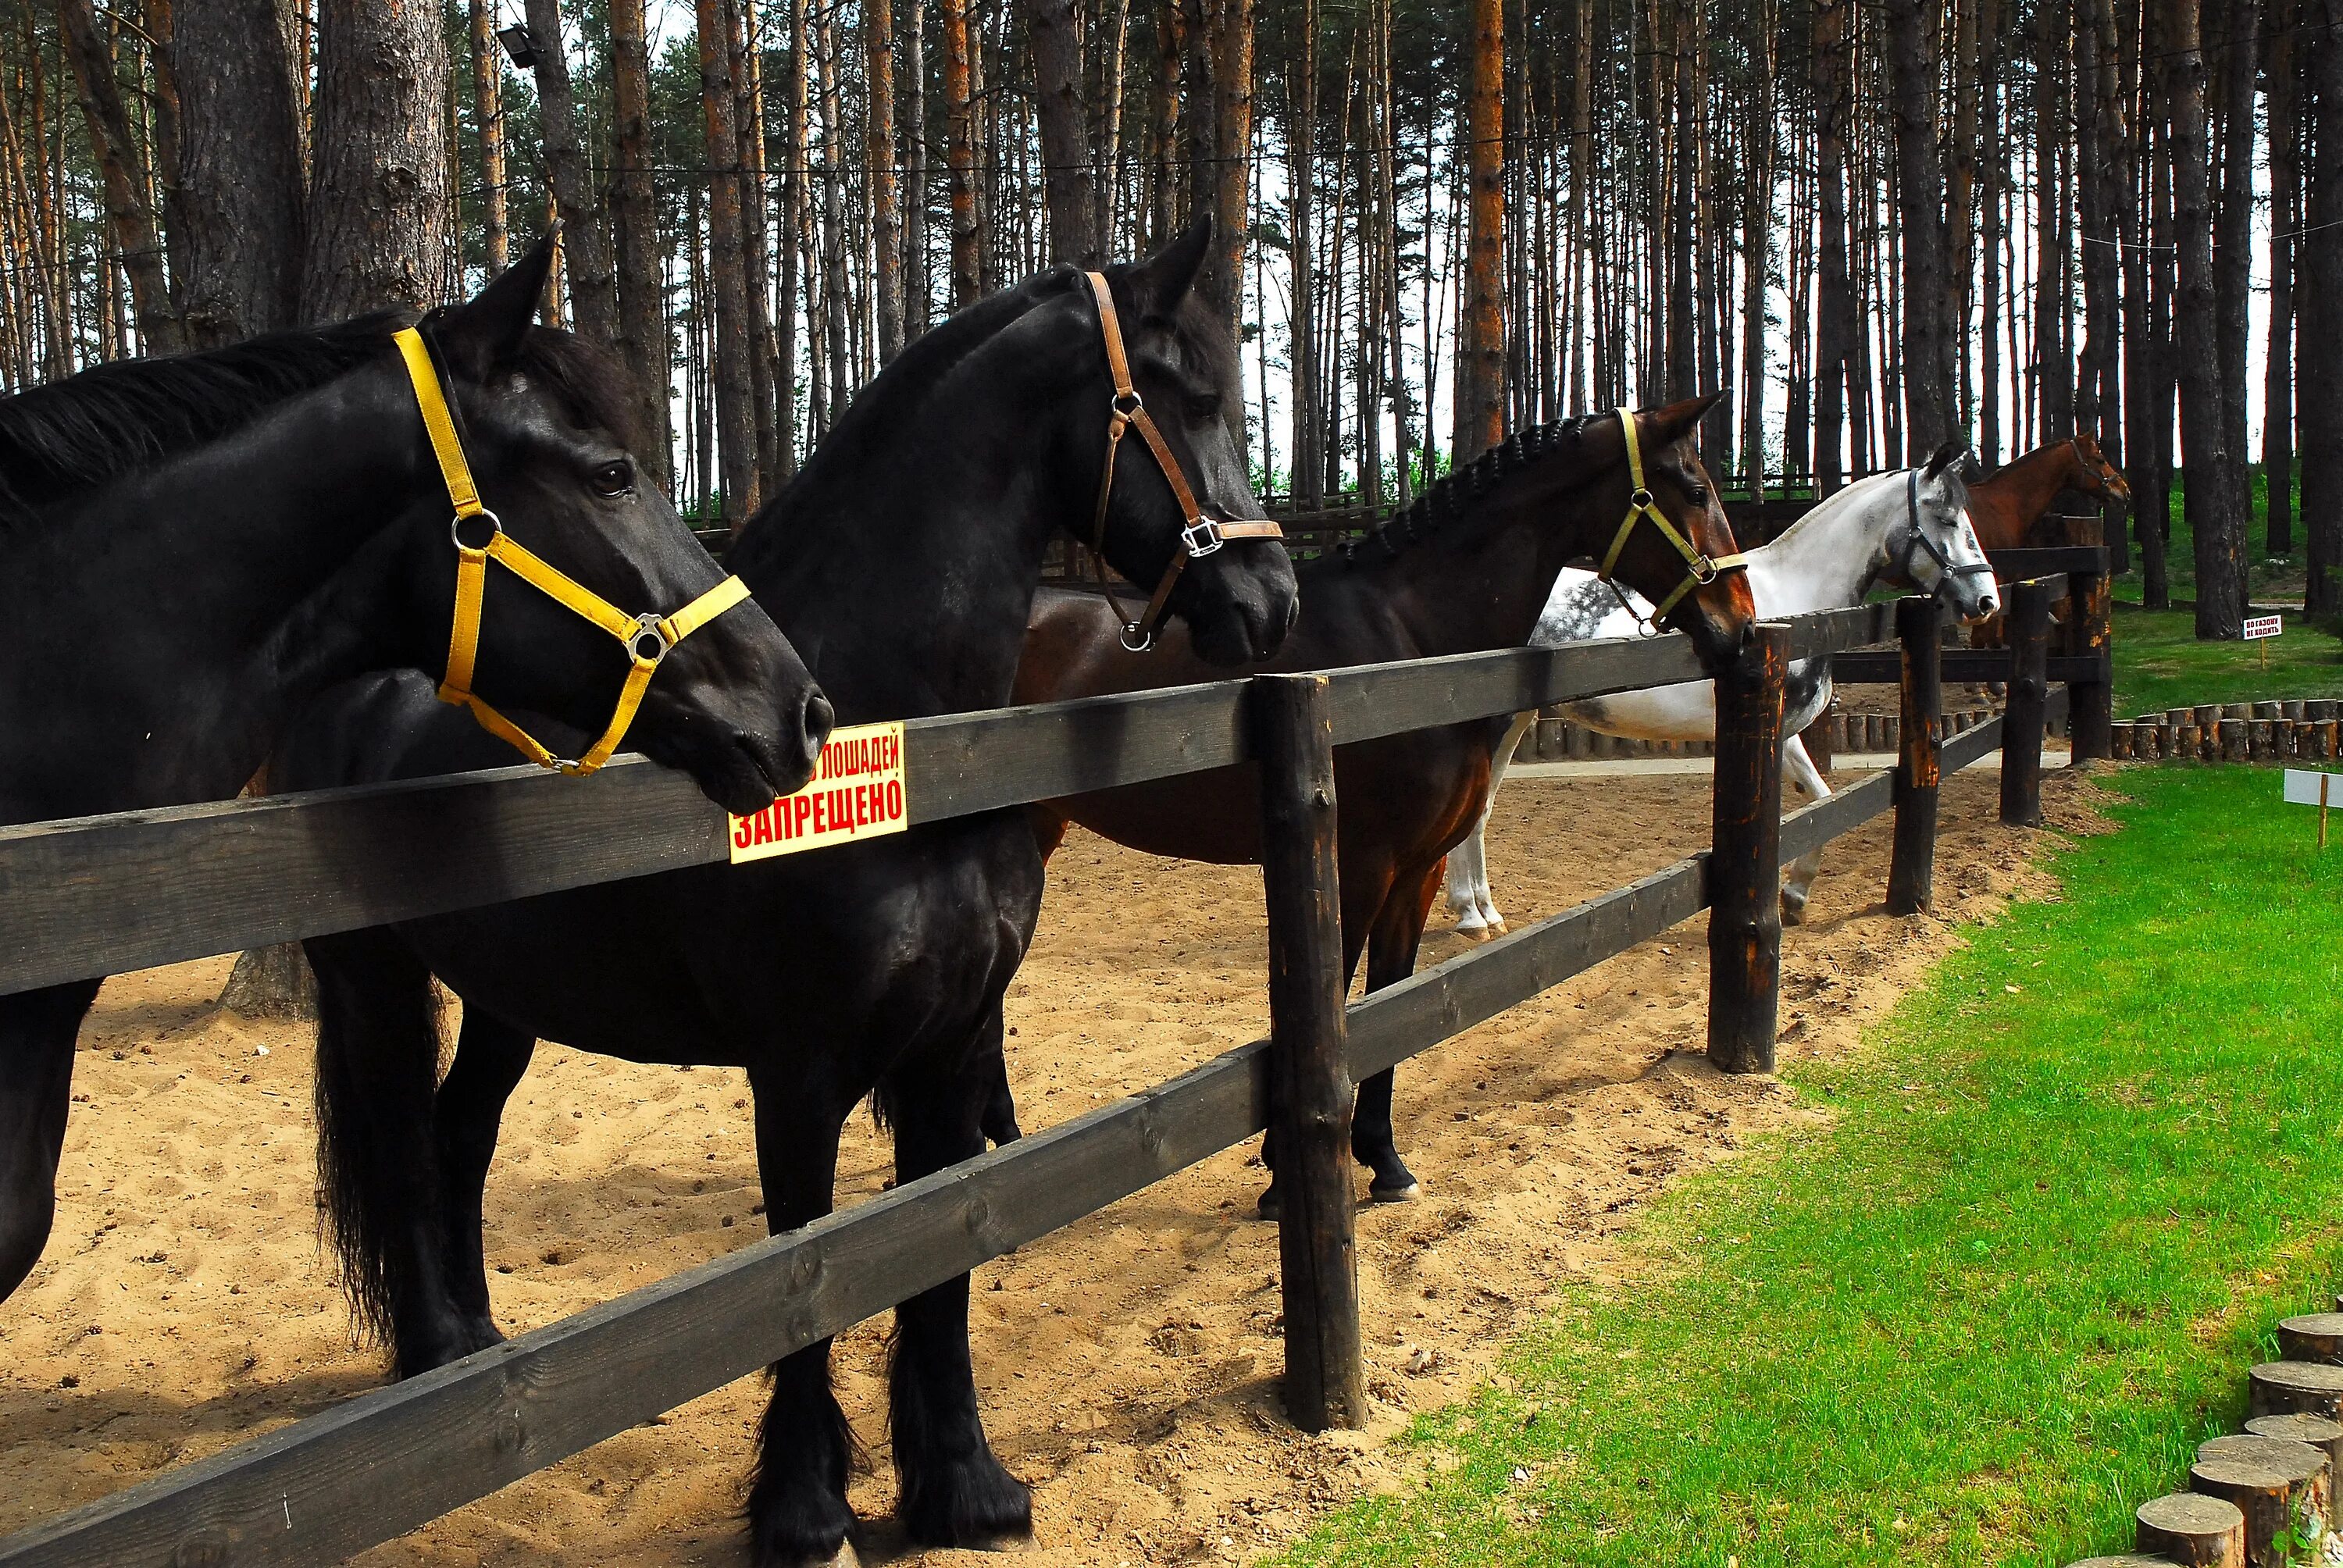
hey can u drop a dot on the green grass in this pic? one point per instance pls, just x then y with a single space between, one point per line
2159 663
2070 1186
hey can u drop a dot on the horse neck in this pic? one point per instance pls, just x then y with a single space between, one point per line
2003 505
196 603
1479 585
1833 554
903 570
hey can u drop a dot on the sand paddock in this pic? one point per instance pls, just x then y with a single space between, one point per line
1126 1365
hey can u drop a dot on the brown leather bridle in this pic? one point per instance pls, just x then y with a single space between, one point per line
1199 536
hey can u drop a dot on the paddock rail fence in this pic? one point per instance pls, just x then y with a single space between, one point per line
106 894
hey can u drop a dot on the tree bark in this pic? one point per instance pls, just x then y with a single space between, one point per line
2232 233
635 239
236 252
378 220
886 223
2053 301
129 216
1836 326
593 298
2322 318
736 418
2286 218
2209 497
1054 35
1480 391
1928 378
918 292
1301 177
960 155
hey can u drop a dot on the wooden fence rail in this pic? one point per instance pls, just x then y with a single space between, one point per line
386 1462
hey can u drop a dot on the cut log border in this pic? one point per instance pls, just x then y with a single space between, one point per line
84 896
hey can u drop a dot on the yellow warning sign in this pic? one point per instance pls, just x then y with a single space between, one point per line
856 792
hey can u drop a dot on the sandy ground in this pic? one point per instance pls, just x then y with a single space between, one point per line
1128 1365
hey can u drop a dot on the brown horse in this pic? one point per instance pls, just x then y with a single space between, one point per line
1466 568
2004 506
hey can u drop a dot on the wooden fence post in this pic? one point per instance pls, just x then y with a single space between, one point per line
1745 864
1912 870
2090 704
1309 1072
2029 692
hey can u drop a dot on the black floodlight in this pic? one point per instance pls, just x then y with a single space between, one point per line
519 47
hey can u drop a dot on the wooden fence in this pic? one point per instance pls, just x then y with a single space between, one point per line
106 894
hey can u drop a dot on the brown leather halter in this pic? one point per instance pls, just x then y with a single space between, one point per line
1199 536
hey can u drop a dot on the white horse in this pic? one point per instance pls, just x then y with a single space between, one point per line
1910 526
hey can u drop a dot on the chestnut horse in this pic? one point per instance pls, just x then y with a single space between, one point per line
1465 569
2004 506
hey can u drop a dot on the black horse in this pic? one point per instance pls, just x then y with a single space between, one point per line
901 561
193 546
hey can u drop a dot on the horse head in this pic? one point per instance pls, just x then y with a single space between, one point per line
540 422
1700 589
1933 548
2098 476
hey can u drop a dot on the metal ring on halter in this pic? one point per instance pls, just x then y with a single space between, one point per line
455 529
1145 642
649 626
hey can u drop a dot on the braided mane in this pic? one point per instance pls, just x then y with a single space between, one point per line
1458 493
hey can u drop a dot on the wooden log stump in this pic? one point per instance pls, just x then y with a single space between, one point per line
2316 1430
2312 1337
2308 1508
2209 731
1576 744
2290 1388
2264 711
2264 1496
2124 1559
2119 739
2233 740
2190 1528
1549 737
2292 708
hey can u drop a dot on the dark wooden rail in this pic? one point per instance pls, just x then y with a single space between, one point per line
383 1463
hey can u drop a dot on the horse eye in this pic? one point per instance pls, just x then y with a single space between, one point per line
614 479
1203 407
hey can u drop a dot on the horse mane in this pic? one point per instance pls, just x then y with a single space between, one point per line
115 419
1459 492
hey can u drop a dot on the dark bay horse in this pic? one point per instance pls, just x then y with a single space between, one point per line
902 562
1465 569
194 545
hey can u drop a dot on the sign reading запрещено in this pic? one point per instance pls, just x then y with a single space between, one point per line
856 792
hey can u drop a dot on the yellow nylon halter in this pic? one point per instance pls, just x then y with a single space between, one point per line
1640 505
659 634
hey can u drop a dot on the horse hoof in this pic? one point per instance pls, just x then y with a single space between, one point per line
1407 1195
1473 931
1270 1207
1794 910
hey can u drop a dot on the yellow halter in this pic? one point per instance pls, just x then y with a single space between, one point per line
648 637
1640 505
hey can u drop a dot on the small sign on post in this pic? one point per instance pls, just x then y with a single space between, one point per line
857 793
2261 628
2307 787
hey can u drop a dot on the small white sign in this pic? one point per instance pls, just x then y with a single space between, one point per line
2305 787
2261 625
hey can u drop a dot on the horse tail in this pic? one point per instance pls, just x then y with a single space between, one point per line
379 1045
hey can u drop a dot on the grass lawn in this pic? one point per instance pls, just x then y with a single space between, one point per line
2069 1189
2159 663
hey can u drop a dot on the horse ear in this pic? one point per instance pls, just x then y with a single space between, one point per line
1159 284
1677 420
1953 446
487 330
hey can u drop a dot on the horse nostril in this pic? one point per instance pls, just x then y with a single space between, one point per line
814 721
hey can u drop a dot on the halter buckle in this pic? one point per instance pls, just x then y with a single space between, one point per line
456 530
653 628
1200 537
1704 571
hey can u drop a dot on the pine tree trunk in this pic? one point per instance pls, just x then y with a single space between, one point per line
642 339
488 113
2286 218
1992 180
960 155
1053 31
593 297
1920 202
2209 495
130 217
1307 481
736 418
1480 390
2233 232
2053 304
1835 325
378 220
918 294
2322 317
2098 407
879 122
236 250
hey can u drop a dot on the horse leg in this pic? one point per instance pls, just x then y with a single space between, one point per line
378 1071
36 1061
953 1492
1469 897
1800 881
1391 944
999 1118
798 1515
490 1058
